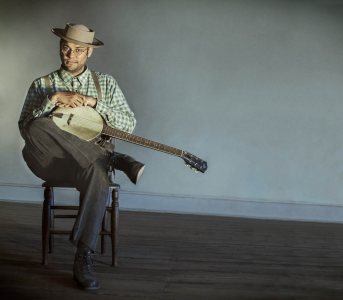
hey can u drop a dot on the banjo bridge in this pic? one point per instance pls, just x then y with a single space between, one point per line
70 118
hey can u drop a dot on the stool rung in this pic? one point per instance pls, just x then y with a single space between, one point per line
52 231
64 216
106 232
63 207
60 231
71 207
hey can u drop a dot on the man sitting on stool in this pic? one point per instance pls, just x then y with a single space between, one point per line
60 157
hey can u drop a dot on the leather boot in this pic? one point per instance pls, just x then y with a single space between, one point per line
83 273
131 167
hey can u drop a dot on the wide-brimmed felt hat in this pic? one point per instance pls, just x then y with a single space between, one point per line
78 34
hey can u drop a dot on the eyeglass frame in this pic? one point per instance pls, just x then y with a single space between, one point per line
65 51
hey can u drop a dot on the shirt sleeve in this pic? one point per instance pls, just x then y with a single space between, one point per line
37 104
115 109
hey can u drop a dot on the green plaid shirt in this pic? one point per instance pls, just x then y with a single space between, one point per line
112 107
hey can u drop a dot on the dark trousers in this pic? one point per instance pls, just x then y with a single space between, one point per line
59 157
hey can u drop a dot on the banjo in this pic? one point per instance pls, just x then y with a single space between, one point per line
87 124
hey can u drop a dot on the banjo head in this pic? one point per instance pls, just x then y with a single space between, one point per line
82 121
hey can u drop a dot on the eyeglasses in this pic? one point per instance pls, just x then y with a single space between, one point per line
77 51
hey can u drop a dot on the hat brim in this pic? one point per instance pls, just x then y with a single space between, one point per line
60 33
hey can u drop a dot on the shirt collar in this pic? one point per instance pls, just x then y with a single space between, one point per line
66 77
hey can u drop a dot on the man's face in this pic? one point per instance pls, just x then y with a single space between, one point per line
73 57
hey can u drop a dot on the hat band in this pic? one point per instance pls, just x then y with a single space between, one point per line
79 35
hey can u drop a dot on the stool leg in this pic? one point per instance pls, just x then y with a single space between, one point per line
51 220
115 226
46 218
103 229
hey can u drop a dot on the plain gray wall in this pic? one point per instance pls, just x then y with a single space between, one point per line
253 87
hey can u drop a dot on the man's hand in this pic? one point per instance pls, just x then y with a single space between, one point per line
89 101
72 99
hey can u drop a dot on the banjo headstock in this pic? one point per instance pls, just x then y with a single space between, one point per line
195 163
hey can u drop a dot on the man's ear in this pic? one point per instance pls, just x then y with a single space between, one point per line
89 52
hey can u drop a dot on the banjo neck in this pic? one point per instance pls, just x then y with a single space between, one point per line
134 139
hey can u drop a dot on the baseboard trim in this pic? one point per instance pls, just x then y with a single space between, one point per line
190 205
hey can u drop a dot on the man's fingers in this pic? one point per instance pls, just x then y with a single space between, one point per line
71 99
79 99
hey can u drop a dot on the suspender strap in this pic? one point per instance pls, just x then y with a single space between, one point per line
47 82
97 85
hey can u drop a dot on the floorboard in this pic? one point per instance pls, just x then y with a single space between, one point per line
173 256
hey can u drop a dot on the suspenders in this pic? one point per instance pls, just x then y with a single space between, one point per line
97 85
95 79
47 82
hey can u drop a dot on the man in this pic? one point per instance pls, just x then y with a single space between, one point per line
58 156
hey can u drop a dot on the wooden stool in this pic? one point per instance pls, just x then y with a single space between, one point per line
48 217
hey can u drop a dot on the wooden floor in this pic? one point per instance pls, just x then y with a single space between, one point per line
169 256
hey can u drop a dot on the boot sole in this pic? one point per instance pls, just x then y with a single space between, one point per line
140 173
86 287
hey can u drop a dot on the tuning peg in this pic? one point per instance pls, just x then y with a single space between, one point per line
193 169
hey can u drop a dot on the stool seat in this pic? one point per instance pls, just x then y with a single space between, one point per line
49 216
